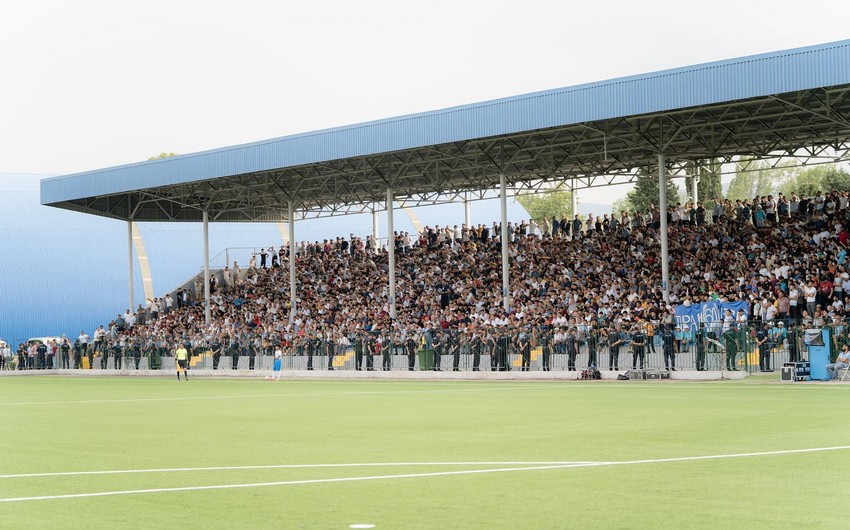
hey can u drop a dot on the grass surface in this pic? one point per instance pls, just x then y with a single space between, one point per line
51 424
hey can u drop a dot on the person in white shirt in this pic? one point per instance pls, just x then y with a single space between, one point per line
810 293
793 302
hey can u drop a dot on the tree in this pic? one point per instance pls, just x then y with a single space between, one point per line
555 201
836 178
162 155
756 178
742 186
822 178
621 205
645 194
709 186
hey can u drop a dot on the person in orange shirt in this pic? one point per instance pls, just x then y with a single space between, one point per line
649 330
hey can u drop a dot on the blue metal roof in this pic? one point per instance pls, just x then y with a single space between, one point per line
754 76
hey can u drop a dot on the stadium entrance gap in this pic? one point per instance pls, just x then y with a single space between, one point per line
762 106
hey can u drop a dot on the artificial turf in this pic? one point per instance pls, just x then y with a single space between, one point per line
56 424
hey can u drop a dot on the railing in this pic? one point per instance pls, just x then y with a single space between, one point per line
749 347
241 255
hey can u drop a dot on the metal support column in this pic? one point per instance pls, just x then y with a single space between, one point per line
375 231
292 297
695 190
573 197
662 207
391 251
130 281
503 203
207 317
467 211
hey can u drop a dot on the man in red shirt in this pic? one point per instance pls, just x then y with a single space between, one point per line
825 288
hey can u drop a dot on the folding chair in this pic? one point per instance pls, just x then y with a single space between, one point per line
845 372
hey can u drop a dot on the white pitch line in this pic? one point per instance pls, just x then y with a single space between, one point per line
281 483
278 466
418 475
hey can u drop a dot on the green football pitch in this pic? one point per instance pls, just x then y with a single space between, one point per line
213 453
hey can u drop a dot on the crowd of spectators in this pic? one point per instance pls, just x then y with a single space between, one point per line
591 280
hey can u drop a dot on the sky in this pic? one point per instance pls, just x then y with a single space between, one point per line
89 84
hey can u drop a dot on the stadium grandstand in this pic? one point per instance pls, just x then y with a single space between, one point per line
64 272
496 293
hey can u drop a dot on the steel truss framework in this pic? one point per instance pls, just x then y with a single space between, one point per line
810 126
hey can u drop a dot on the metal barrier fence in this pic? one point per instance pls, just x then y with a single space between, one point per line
750 347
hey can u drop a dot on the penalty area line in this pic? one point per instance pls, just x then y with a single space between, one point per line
420 475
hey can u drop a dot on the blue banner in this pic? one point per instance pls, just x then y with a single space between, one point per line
711 313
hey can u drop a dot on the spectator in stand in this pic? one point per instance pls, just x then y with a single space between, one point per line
560 279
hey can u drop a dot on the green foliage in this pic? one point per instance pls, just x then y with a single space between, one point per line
163 155
620 205
709 186
756 178
742 186
645 194
556 201
821 178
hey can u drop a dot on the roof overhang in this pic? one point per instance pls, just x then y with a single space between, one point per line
760 106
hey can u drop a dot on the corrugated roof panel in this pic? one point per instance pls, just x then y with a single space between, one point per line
767 74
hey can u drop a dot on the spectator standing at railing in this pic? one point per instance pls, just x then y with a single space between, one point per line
83 340
359 345
699 346
22 356
524 349
615 341
638 342
762 346
571 348
437 344
65 353
40 356
544 340
731 346
411 341
5 355
217 348
117 354
649 330
668 341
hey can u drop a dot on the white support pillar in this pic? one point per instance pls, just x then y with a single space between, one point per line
292 289
391 251
467 211
375 231
695 189
662 207
207 317
573 198
506 284
130 280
